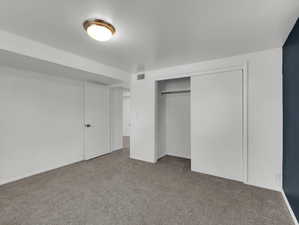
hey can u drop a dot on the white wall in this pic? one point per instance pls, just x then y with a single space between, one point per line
174 119
116 118
143 123
126 114
264 112
41 123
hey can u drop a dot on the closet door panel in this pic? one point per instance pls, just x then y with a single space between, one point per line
216 124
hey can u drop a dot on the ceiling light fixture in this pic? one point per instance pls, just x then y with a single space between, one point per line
98 29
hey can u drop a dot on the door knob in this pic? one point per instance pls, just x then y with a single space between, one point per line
87 125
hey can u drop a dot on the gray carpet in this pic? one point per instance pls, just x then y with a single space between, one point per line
116 190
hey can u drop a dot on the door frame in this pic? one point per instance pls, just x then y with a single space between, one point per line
224 68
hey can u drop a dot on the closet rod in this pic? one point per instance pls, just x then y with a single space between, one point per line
175 92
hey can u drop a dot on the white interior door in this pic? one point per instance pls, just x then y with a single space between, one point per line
97 130
217 124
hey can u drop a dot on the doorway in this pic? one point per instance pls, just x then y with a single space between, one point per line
174 118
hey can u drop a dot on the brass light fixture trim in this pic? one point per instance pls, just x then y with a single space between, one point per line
99 22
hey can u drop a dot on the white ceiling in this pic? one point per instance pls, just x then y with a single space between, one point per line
154 33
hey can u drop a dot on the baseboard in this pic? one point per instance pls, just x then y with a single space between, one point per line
267 187
290 208
117 150
143 160
161 156
178 155
197 170
17 178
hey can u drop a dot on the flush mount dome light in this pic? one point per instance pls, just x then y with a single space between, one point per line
98 29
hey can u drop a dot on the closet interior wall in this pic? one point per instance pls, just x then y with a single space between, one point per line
174 118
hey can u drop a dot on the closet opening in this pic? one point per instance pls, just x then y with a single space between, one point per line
173 118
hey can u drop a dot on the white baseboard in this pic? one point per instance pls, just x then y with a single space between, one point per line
161 156
37 172
268 187
178 155
142 159
289 208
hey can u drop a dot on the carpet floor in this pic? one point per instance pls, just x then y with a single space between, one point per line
116 190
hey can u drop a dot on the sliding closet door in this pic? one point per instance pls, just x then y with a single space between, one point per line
216 124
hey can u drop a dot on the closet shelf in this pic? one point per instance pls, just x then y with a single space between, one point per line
175 92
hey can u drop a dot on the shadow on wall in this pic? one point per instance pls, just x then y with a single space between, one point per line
291 118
